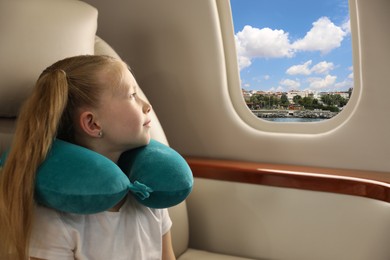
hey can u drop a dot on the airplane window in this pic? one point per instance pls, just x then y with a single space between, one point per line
294 58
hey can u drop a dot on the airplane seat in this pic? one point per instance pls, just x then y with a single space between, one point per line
35 34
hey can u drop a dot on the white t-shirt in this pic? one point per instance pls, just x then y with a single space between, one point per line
135 232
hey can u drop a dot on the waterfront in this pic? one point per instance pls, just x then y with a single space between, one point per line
282 115
294 119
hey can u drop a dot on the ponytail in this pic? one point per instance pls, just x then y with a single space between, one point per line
36 128
48 113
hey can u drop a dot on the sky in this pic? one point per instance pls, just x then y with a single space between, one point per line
285 45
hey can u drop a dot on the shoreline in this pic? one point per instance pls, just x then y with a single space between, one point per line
312 114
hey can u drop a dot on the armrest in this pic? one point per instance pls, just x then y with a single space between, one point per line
374 185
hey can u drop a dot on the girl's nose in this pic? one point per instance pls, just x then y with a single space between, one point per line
146 107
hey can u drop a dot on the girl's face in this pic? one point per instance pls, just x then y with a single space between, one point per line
123 115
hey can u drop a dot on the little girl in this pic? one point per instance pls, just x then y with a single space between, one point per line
90 101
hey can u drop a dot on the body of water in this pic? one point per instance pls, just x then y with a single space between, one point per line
294 119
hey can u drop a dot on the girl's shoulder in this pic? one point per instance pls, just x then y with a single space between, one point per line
49 230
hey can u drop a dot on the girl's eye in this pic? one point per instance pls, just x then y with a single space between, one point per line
133 95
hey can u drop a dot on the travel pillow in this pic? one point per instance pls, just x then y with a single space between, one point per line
77 180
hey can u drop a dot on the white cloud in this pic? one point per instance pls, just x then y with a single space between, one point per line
243 62
291 84
267 77
300 69
261 43
345 84
324 36
252 43
322 67
321 83
347 27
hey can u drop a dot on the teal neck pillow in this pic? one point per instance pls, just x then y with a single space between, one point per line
77 180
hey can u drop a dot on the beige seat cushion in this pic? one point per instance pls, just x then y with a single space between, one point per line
192 254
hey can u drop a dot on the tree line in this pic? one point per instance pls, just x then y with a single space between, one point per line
331 102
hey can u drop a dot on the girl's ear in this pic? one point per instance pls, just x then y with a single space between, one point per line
89 124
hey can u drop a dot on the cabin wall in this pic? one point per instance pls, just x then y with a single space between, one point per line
263 222
176 51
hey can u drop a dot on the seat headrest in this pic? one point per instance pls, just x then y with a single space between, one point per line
33 35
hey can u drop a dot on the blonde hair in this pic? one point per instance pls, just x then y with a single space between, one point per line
46 114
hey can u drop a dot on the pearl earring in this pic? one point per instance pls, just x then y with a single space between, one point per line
100 134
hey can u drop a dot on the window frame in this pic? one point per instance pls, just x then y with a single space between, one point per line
234 86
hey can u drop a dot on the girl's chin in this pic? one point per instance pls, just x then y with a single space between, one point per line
147 141
142 142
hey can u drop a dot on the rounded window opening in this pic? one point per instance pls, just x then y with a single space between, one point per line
295 60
